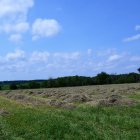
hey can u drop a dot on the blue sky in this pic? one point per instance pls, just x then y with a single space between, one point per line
52 38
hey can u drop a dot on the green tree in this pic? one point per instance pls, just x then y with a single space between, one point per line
44 84
13 86
139 70
34 85
103 78
23 86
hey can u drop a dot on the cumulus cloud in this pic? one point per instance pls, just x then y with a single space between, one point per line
89 51
131 66
15 38
39 56
14 23
135 58
13 17
106 52
67 56
39 61
114 57
137 28
132 38
16 55
45 28
55 64
15 9
17 28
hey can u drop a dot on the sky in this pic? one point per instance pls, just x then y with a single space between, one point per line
41 39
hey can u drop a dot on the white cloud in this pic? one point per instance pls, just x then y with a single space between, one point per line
16 55
39 60
13 21
39 56
137 28
40 63
67 56
15 38
131 66
45 28
114 57
106 52
15 9
13 17
89 51
133 38
135 58
20 27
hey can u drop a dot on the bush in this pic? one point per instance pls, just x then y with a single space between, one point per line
33 85
13 86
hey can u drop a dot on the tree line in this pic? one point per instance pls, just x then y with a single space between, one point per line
100 79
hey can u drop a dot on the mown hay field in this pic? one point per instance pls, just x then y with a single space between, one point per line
102 112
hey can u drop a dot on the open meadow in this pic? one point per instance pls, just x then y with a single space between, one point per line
102 112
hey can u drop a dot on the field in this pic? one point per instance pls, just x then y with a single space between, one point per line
106 112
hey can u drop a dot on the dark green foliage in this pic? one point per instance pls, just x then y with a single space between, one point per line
44 84
23 86
100 79
103 78
13 86
33 85
139 70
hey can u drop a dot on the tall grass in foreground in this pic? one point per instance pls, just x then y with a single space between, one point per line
84 123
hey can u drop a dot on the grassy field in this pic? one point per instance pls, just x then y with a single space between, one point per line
22 120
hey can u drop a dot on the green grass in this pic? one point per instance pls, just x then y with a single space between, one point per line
84 123
135 96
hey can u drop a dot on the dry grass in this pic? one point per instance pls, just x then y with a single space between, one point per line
70 97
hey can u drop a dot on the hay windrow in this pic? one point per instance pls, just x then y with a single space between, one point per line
70 97
4 112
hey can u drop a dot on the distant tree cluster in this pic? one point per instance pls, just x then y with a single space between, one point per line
101 79
139 70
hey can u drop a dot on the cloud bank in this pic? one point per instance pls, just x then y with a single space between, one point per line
44 64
